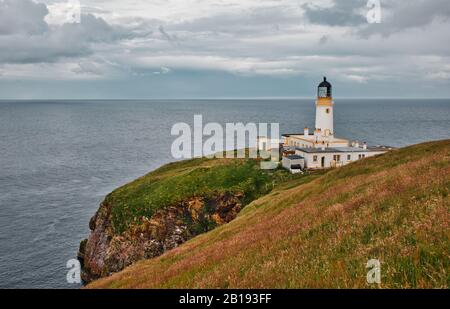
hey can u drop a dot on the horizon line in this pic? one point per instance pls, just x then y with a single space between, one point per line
220 98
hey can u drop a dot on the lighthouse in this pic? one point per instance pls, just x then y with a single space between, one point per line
324 110
322 149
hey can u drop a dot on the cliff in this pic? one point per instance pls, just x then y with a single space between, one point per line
165 208
320 232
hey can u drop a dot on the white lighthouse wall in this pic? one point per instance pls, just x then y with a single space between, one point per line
324 120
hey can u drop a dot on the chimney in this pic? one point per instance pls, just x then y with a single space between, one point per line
364 146
317 135
306 131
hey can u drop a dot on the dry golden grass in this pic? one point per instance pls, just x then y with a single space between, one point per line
320 234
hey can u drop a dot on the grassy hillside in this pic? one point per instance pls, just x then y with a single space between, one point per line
320 232
180 180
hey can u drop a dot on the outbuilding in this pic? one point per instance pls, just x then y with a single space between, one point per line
294 163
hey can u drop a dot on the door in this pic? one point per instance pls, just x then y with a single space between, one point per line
323 161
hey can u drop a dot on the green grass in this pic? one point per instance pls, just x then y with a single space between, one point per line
319 231
179 181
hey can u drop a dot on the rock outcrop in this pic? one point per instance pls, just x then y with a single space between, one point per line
106 252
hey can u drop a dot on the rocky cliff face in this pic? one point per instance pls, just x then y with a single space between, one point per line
106 252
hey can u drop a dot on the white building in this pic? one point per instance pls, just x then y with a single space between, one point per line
320 148
317 158
294 163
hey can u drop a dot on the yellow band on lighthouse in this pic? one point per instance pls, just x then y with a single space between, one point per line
324 102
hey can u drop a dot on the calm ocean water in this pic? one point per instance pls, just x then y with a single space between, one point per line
58 159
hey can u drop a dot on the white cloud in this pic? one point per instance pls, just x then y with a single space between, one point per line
67 11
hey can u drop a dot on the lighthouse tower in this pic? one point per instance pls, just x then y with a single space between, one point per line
323 149
324 111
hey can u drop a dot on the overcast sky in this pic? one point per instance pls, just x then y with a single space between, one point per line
222 48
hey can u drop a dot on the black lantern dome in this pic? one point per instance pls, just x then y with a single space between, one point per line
324 89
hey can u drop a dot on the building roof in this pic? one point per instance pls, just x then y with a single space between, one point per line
288 149
318 150
325 83
344 149
312 139
293 134
294 157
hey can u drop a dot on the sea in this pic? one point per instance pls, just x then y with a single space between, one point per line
58 160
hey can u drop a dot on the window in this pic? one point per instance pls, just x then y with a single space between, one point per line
337 158
349 157
327 110
315 158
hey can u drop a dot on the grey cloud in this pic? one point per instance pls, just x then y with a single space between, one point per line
342 13
90 68
247 22
323 40
167 36
22 17
398 16
91 29
29 39
35 49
